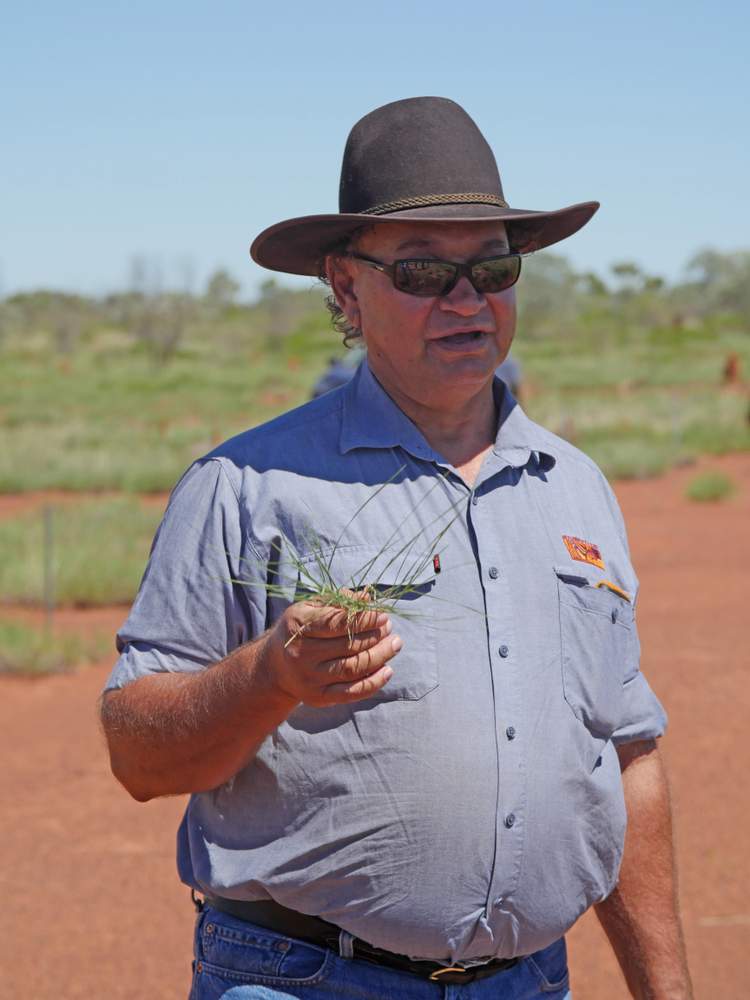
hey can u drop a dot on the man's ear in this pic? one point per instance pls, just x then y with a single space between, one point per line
341 280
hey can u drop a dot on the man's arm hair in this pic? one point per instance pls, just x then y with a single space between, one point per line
641 916
172 733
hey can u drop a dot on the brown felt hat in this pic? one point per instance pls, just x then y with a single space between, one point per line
419 160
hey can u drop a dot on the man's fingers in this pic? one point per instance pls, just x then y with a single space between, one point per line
326 622
365 687
352 668
339 646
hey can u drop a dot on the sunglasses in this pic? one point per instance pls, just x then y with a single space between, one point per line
439 277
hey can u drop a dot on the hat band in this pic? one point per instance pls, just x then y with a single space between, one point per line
425 200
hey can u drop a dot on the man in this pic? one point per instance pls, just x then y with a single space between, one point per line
415 804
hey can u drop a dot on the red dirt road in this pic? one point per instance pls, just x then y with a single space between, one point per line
92 905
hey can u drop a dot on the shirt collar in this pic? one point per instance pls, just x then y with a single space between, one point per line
371 419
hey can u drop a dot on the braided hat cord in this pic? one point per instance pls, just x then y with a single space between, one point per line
424 200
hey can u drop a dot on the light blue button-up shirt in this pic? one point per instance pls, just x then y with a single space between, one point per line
473 808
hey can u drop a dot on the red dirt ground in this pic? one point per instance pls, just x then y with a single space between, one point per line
91 903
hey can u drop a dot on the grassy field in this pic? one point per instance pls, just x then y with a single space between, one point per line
108 417
99 549
640 404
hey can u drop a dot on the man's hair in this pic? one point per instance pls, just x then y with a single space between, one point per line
351 334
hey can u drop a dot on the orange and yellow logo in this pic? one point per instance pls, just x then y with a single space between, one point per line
583 551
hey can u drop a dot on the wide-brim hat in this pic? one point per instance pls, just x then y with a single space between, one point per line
419 160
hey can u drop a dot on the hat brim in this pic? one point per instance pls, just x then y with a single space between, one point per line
298 246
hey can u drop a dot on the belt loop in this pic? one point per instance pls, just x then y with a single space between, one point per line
346 944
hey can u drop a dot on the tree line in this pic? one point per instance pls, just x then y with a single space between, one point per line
553 297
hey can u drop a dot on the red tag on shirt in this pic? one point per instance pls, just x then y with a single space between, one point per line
583 551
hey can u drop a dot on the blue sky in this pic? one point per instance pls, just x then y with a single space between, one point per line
179 130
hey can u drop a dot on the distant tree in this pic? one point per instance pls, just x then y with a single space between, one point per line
282 309
547 295
221 290
710 269
157 318
591 284
720 282
67 323
628 277
61 314
638 298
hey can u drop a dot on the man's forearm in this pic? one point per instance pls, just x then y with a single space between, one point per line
175 733
641 916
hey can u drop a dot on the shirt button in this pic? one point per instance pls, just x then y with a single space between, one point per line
510 732
474 499
510 820
614 615
494 572
503 651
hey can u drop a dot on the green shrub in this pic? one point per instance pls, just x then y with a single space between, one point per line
709 487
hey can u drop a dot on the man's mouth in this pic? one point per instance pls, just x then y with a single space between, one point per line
463 338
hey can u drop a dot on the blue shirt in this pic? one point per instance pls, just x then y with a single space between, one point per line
472 808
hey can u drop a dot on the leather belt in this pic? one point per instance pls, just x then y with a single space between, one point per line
274 917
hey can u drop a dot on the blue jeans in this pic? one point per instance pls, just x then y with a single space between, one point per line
236 960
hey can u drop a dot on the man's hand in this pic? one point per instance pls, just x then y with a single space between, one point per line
316 655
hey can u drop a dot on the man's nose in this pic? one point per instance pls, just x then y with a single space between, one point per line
463 299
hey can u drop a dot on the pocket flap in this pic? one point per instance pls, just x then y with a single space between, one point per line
587 590
579 571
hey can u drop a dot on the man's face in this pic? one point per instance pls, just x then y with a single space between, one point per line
438 349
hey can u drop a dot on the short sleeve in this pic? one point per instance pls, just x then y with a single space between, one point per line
190 610
642 716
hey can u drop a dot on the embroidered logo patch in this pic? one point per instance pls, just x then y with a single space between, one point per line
583 551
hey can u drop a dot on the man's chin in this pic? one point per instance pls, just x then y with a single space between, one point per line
465 369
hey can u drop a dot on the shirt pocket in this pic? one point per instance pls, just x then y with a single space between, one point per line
404 584
599 649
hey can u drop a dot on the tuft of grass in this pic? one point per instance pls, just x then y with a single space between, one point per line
100 548
403 562
709 487
31 651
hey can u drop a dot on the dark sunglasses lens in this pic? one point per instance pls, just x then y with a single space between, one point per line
423 277
496 274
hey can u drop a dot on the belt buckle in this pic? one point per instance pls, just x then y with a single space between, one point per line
435 976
